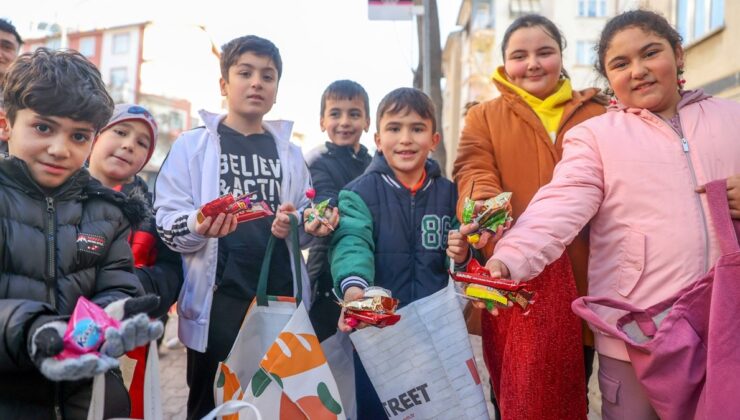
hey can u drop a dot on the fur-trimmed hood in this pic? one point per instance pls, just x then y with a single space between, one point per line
132 202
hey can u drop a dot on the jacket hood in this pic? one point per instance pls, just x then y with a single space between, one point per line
133 206
687 97
334 148
578 96
14 173
380 165
331 149
280 129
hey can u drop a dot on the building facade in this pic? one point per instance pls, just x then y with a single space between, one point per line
472 53
710 30
142 63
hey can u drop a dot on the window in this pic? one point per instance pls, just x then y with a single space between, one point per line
54 43
592 8
483 16
585 53
696 18
121 43
87 46
118 77
524 7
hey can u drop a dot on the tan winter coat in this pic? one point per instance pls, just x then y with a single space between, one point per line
505 147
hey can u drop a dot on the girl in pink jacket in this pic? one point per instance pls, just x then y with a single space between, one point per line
634 175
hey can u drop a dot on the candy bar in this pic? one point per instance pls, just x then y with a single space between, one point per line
480 286
242 206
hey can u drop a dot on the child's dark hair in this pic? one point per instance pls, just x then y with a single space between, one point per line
57 83
530 21
232 50
646 20
407 100
8 27
345 89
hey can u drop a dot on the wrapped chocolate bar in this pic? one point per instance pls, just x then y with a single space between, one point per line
478 285
242 206
376 308
494 213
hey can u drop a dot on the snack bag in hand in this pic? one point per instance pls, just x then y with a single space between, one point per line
494 213
376 308
85 330
242 206
478 285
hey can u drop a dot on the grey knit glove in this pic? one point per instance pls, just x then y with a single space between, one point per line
46 342
136 328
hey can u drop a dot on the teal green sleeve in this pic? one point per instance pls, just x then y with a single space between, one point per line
352 252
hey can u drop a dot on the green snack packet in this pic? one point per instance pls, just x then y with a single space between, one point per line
468 211
320 209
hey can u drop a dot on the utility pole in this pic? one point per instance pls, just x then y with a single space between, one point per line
428 73
426 51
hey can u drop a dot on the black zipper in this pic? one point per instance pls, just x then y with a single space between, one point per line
51 271
51 277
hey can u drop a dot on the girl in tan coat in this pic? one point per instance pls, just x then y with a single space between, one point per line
512 143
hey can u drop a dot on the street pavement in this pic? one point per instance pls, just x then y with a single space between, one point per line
172 364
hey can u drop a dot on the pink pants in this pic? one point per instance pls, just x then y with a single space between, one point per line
622 396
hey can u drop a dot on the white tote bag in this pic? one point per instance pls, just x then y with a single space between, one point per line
152 390
276 363
423 367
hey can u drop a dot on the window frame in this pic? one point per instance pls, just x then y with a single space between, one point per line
687 23
116 45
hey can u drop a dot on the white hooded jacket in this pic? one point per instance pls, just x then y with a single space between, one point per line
188 179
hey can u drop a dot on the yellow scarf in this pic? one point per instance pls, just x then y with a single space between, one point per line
550 109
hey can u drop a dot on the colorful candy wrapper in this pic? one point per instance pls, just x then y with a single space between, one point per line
376 308
85 330
319 209
242 206
493 214
479 285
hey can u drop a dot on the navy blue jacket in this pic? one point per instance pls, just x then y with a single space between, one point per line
392 238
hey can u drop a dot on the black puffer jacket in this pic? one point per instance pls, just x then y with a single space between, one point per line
157 266
55 248
332 167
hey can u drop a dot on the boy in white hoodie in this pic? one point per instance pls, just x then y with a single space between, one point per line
234 153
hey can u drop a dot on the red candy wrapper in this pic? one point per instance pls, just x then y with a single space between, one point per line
376 308
353 318
242 206
85 330
518 293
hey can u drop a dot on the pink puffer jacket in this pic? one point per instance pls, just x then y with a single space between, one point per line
632 176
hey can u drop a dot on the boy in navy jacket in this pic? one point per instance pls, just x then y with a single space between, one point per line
396 219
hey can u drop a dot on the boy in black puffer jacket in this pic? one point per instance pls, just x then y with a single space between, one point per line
345 115
62 237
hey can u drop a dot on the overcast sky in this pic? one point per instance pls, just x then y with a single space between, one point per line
320 41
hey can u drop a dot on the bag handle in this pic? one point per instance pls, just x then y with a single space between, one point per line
644 321
727 229
232 407
265 270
